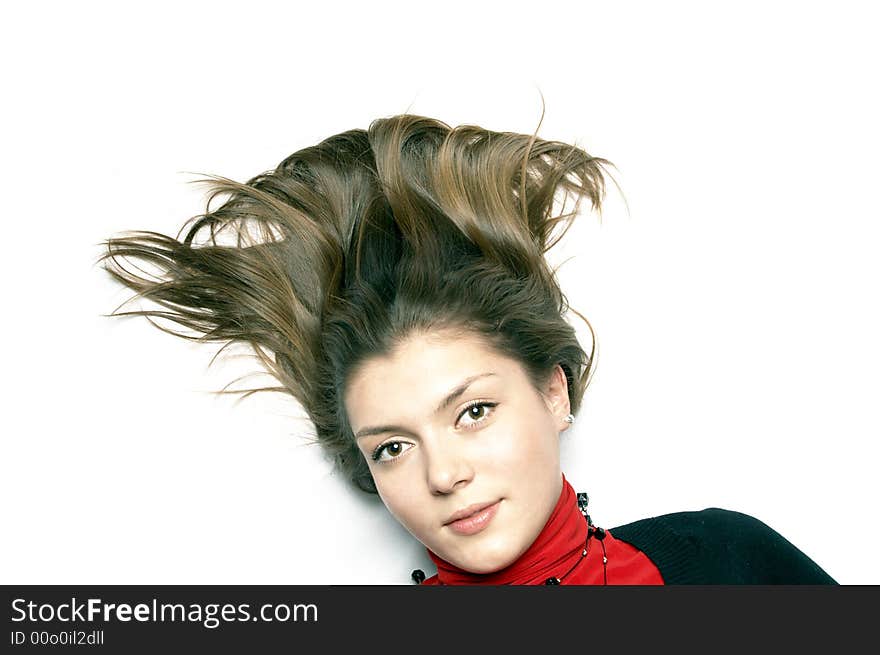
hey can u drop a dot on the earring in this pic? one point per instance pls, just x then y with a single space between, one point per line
569 419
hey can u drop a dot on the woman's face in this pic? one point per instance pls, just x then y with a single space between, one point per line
449 426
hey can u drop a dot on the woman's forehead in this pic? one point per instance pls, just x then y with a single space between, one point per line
425 370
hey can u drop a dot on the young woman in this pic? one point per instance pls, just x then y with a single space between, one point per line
393 281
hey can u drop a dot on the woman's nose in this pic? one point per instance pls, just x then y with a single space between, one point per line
446 465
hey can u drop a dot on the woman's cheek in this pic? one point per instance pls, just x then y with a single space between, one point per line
514 446
397 495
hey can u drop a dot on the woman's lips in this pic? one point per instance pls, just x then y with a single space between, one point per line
475 522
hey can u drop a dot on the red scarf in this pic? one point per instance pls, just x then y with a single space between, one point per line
558 547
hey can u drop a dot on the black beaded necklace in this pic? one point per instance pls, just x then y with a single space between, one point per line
592 531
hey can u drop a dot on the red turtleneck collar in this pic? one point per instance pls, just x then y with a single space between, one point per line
558 547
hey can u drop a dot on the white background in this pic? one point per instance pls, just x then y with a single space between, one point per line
735 301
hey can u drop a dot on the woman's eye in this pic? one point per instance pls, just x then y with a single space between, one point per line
477 412
389 451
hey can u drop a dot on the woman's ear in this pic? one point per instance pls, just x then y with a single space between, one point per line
556 397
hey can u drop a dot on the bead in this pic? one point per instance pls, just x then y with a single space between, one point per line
600 534
418 576
551 581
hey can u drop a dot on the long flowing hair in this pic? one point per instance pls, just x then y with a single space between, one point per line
349 246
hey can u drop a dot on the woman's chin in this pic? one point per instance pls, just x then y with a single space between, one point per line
485 558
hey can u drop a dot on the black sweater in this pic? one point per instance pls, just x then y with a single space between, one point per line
717 546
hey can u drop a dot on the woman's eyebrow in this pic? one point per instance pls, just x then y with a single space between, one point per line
448 400
455 393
